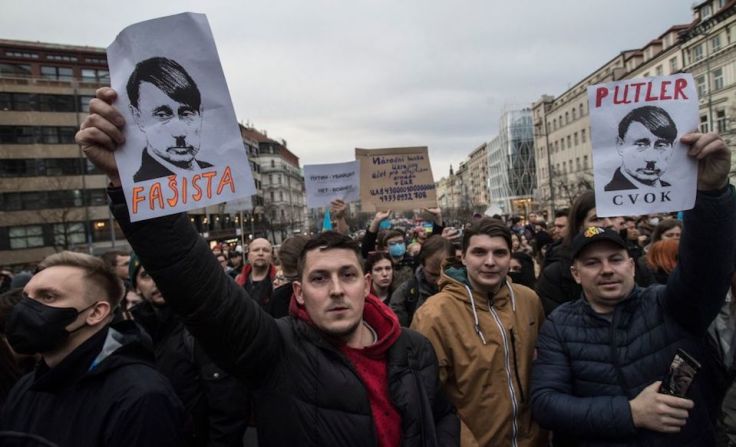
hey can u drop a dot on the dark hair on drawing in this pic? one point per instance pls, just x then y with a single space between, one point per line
328 240
656 119
166 75
489 227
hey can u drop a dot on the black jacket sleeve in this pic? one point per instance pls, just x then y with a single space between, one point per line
697 287
153 420
369 243
231 327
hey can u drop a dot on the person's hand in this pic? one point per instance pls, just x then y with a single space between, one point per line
337 208
714 159
380 215
450 233
659 412
436 214
101 133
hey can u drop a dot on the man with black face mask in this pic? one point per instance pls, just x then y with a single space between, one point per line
101 374
216 403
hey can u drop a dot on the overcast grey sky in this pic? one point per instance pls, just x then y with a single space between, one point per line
329 76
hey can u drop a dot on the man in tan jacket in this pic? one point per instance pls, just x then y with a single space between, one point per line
484 329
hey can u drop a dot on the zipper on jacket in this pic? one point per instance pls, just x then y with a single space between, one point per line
509 379
516 365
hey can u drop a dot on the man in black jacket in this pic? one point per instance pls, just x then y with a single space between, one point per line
338 371
216 403
601 358
96 384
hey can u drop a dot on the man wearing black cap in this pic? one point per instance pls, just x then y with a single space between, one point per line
601 358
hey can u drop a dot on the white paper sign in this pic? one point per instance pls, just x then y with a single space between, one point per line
640 166
326 182
183 148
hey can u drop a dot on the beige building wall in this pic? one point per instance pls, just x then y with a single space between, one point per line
706 48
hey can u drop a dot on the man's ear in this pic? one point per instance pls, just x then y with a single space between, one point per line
99 313
136 115
575 274
298 292
619 145
367 284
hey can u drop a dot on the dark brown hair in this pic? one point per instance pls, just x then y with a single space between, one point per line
489 227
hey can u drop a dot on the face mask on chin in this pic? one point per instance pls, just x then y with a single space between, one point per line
33 327
397 250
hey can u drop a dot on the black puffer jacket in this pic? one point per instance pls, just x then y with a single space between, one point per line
307 392
556 284
105 393
216 403
588 368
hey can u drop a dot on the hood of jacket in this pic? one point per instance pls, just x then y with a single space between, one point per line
378 316
120 344
242 278
455 282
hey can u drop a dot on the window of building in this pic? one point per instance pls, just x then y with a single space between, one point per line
26 236
715 43
567 117
273 163
658 70
278 179
580 109
718 78
721 122
575 138
700 85
582 136
706 11
23 54
697 53
585 162
15 70
84 103
61 57
562 144
577 163
704 123
554 124
60 73
573 114
569 141
95 75
646 74
272 196
270 179
673 64
68 234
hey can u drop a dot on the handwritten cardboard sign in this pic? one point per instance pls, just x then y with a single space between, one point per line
183 149
639 164
324 183
396 179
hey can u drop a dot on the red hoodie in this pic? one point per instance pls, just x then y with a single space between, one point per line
371 366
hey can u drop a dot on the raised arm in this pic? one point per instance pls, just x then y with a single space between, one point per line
696 289
231 327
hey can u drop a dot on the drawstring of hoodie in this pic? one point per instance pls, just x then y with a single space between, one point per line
476 320
475 315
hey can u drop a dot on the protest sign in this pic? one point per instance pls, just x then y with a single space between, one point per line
183 148
395 179
324 183
640 166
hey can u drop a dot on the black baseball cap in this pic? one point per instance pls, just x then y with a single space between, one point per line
592 235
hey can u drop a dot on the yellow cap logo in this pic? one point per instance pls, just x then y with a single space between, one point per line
592 231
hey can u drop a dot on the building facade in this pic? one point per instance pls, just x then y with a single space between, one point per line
283 211
511 164
51 198
478 178
706 47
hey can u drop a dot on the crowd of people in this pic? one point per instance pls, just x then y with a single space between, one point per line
503 330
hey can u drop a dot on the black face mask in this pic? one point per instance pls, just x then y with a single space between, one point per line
33 327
